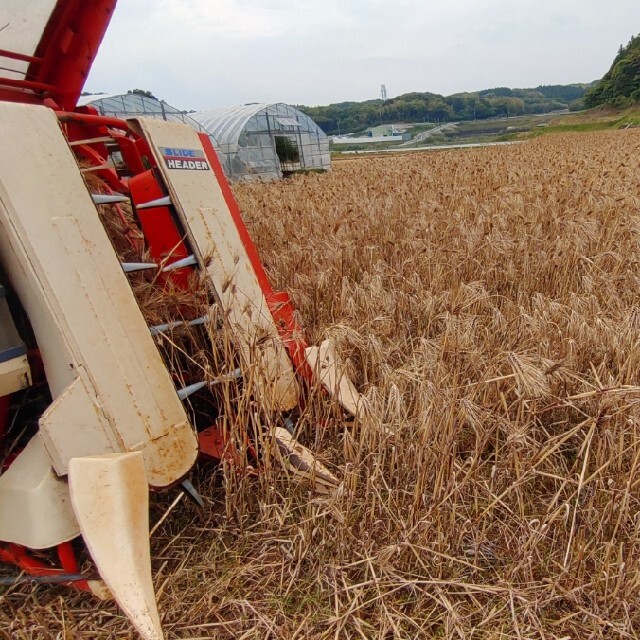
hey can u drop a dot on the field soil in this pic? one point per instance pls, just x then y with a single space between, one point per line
485 302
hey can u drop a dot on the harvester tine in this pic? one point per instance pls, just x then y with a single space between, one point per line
98 167
108 198
326 364
232 375
185 392
191 491
100 139
161 328
302 463
189 261
110 498
159 202
130 267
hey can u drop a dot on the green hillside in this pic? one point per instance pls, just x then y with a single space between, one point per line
346 117
620 86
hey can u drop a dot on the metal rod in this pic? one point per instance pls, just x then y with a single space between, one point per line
87 141
129 267
185 392
189 261
52 579
159 202
161 328
106 198
192 493
98 167
14 55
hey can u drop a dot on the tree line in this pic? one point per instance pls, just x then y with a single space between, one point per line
349 117
620 86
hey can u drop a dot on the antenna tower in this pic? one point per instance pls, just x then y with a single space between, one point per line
383 91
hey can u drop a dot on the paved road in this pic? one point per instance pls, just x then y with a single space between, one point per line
427 134
435 147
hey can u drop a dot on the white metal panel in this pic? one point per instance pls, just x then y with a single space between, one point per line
21 26
111 389
211 231
15 375
111 501
327 367
35 509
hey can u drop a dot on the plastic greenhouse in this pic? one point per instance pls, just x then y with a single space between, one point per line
265 140
129 105
261 141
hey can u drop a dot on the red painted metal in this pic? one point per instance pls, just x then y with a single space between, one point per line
213 443
95 159
69 562
61 62
86 123
69 46
279 302
291 332
32 85
67 557
56 75
135 151
12 55
20 557
9 94
92 119
165 241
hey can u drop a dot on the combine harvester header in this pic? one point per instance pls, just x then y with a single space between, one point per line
116 415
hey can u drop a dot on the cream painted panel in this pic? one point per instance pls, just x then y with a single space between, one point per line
85 317
327 367
111 501
21 27
212 233
35 508
15 375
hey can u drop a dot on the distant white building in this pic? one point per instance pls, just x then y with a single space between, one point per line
396 137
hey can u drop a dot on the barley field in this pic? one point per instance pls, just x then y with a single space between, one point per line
485 302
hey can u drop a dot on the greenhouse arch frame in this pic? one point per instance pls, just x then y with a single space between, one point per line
266 141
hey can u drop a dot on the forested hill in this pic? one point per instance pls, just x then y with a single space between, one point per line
620 86
346 117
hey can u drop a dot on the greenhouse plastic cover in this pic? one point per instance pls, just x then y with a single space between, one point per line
133 104
246 137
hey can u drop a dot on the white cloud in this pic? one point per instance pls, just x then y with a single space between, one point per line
204 53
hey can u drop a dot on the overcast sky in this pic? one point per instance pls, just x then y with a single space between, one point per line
197 54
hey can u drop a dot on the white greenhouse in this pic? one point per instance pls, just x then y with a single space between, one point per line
265 140
262 141
132 105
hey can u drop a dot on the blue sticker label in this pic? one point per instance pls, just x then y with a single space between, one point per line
190 159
